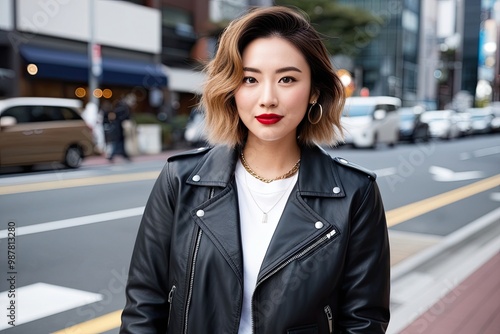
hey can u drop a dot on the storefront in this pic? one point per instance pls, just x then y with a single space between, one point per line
56 72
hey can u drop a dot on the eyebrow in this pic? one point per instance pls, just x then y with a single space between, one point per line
279 70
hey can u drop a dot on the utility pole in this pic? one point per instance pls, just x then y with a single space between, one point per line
94 54
95 70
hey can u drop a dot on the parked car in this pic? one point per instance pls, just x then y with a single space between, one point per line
442 123
368 121
195 127
411 127
495 123
464 123
481 119
43 130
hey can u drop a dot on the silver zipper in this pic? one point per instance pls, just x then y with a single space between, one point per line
299 255
329 316
293 258
170 298
191 279
193 265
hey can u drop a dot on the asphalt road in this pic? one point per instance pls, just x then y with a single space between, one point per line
75 230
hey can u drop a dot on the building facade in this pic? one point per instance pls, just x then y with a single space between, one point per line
388 64
426 52
45 48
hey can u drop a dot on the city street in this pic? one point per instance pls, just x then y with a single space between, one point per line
75 229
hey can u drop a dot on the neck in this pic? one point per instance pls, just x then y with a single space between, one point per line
270 160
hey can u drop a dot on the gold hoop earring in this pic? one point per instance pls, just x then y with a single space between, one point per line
320 113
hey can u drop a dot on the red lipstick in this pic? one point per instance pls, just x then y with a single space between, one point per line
268 118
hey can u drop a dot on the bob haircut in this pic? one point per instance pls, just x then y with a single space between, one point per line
225 75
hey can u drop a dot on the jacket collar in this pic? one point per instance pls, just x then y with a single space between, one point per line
216 168
318 175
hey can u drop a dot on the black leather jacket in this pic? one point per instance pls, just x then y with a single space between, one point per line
326 269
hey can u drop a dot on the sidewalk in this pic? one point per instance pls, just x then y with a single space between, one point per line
99 160
452 287
473 307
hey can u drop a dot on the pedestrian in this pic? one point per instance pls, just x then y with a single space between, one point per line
107 116
118 118
263 231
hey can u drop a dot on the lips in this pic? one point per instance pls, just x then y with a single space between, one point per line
268 118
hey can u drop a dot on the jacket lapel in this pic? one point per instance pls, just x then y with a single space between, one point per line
300 224
220 223
220 217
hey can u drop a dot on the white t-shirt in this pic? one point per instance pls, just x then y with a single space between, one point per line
256 234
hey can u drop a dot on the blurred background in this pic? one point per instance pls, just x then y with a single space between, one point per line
437 54
81 80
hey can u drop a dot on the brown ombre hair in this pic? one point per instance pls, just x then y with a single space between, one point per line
225 75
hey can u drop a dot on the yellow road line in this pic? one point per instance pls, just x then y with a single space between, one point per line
100 324
416 209
90 181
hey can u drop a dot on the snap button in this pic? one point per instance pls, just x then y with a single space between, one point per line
196 178
336 190
344 161
318 225
200 213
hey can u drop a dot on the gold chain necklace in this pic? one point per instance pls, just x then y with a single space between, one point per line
291 172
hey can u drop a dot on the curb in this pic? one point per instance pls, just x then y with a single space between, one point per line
452 240
99 160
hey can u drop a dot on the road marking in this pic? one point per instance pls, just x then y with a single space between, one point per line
41 300
78 221
407 212
385 171
447 175
109 179
90 181
483 152
97 325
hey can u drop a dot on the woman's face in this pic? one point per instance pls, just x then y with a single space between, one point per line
274 95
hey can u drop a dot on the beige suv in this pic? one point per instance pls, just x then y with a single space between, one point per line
43 130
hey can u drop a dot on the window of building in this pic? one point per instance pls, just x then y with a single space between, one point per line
172 17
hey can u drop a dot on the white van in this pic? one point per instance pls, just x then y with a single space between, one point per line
368 121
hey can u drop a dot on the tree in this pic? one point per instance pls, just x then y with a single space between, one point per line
346 29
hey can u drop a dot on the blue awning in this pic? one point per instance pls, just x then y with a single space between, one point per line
73 66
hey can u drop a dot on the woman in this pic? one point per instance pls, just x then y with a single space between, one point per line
264 232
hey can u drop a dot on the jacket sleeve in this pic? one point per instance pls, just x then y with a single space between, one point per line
366 282
146 308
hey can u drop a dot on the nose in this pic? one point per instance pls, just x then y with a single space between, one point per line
268 98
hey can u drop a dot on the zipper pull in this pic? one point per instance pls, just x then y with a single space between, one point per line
171 294
329 316
170 298
331 234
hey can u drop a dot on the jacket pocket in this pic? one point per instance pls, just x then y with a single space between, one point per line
329 318
170 302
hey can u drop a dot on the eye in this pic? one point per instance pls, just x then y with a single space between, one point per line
249 80
287 80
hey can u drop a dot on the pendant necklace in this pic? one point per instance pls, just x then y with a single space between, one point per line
265 213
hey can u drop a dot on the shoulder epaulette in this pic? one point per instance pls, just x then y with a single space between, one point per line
192 152
345 162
